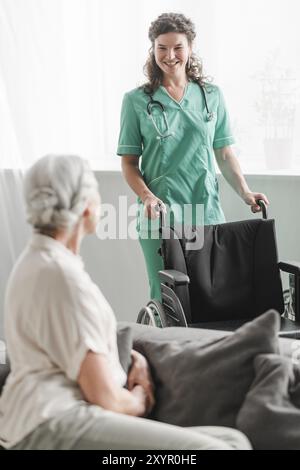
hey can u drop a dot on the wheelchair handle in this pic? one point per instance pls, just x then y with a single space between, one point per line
162 216
263 207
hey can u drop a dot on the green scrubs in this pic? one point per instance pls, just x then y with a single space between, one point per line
178 169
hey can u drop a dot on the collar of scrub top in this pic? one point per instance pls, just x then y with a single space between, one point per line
168 133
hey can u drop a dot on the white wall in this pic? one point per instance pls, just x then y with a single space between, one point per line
117 266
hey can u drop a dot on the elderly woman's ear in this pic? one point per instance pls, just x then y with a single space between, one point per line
91 215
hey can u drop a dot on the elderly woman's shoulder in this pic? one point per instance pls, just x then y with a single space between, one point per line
60 274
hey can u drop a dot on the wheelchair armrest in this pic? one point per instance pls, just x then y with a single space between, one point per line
173 277
292 267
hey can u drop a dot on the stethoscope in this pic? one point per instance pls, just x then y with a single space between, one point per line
152 103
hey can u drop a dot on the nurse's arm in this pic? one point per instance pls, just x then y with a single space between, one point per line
231 170
99 388
134 177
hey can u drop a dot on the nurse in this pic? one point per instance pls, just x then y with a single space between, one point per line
172 129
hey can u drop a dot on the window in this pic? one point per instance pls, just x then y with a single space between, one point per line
65 65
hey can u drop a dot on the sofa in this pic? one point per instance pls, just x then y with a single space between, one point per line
249 379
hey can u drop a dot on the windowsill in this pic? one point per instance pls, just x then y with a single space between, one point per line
267 173
271 173
256 173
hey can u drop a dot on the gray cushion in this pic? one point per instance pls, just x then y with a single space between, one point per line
124 340
205 383
270 415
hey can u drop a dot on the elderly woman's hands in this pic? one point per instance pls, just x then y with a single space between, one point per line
139 374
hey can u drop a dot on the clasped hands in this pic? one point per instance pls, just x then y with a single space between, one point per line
139 374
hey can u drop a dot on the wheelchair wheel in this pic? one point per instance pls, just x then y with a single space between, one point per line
153 315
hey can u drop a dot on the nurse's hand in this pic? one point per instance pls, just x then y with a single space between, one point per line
151 207
251 198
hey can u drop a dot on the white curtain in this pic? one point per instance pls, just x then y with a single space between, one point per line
65 64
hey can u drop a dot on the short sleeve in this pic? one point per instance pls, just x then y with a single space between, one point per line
223 135
72 323
130 139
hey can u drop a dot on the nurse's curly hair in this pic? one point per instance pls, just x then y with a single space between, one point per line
171 23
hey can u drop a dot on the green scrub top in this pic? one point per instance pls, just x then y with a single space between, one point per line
178 169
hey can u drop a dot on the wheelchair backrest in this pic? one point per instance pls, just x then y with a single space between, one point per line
235 274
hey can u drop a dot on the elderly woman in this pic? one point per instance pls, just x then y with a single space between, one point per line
66 389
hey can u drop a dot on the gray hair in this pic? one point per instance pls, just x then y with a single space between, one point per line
57 189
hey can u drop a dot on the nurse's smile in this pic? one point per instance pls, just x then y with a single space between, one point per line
172 52
171 65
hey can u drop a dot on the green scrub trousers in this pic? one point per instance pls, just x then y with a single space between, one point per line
154 263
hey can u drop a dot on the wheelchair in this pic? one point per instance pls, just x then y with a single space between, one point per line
221 276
